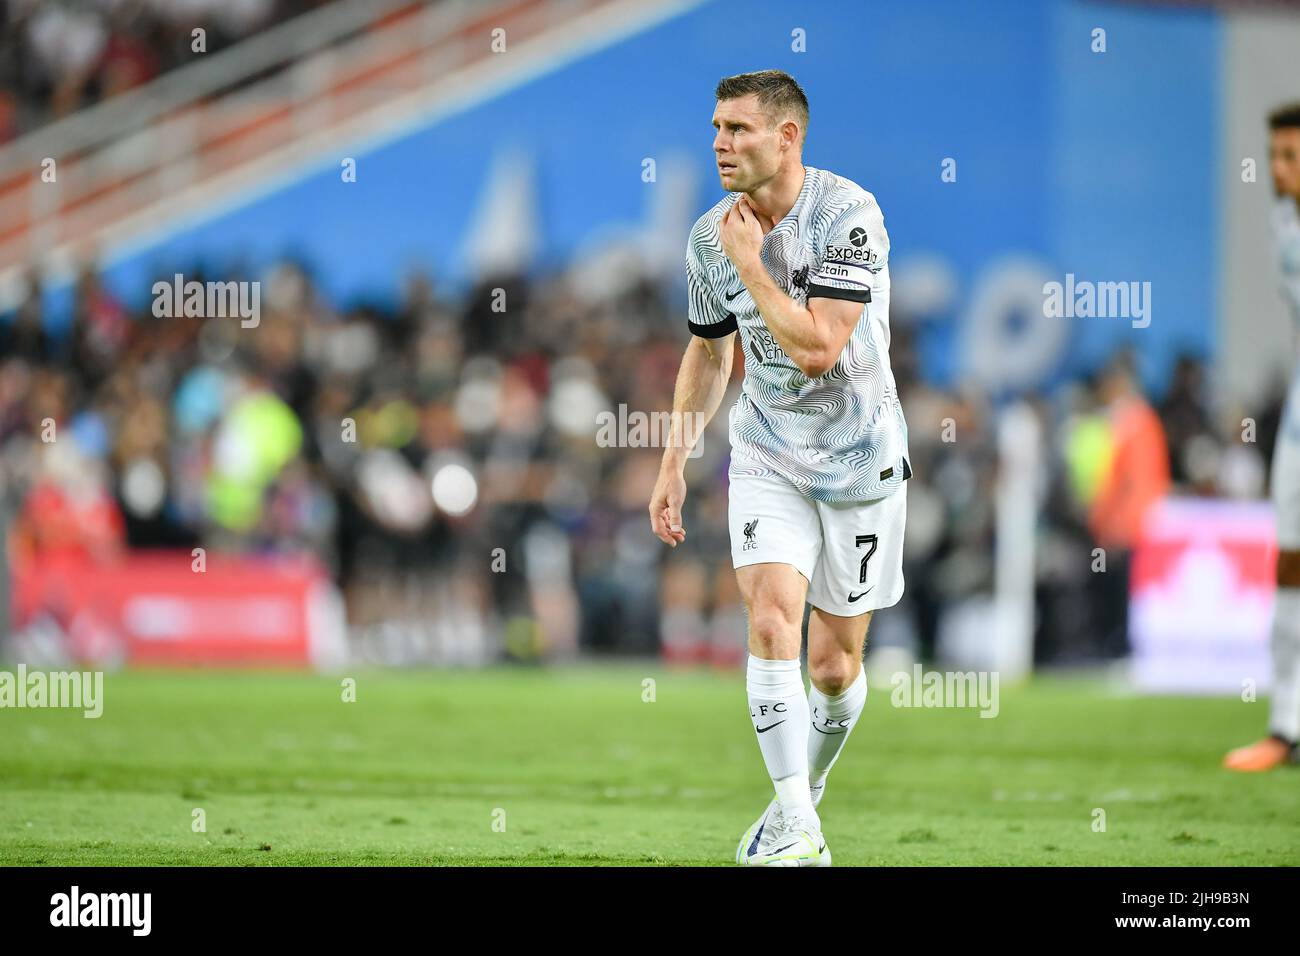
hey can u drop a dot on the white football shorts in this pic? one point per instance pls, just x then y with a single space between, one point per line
851 553
1285 477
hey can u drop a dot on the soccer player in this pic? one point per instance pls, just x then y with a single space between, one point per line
795 262
1284 717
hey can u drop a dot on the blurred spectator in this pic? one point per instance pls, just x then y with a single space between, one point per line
58 56
338 432
1184 413
1136 477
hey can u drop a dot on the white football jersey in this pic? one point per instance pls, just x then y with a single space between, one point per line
1284 481
840 437
1286 235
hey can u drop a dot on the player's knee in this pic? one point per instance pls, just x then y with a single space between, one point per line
832 673
772 630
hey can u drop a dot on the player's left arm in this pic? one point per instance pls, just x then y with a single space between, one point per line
814 335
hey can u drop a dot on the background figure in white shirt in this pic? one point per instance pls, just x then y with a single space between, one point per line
1279 746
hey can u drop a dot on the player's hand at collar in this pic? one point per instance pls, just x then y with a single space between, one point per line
741 233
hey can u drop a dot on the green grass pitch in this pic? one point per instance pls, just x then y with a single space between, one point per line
572 767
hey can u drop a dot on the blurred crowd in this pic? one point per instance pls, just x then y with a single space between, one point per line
57 56
441 458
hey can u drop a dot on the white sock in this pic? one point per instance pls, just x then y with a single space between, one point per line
831 719
779 711
1284 713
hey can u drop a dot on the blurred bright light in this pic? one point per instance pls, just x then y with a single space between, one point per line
394 490
143 487
478 399
575 406
454 489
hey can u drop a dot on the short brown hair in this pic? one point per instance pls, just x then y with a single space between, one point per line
778 95
1285 117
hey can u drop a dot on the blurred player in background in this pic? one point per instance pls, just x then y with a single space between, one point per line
1284 719
795 261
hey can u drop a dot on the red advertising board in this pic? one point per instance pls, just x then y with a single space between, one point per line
156 608
1202 586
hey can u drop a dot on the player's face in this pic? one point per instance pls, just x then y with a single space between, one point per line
1284 160
747 144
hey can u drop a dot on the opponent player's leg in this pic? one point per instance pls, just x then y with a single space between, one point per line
838 690
1284 714
1284 642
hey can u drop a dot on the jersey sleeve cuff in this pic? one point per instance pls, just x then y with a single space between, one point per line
832 292
714 330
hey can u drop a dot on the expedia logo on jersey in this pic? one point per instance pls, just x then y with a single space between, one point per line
855 251
860 255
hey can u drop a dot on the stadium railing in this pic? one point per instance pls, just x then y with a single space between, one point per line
124 163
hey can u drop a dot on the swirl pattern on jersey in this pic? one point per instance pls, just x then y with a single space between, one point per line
840 437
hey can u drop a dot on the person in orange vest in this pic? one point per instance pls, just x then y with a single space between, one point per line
1137 477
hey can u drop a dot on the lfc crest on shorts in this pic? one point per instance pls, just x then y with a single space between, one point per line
750 544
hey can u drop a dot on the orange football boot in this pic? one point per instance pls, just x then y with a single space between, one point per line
1265 754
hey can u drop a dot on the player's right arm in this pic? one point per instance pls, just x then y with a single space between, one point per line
701 384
